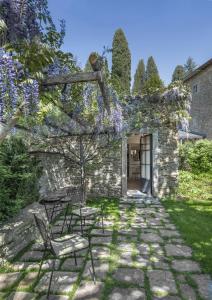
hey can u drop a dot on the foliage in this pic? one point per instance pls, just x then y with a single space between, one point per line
18 177
153 81
139 78
196 156
190 65
121 63
178 73
191 211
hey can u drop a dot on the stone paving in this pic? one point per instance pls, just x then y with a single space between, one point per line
139 256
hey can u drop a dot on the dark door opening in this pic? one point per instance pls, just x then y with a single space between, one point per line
139 163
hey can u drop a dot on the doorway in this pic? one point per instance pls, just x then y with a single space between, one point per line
139 163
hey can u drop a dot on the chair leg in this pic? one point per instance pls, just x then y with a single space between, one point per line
81 225
69 226
51 279
65 222
75 258
92 264
40 267
103 230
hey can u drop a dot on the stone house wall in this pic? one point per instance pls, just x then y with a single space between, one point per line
167 161
201 106
105 180
110 178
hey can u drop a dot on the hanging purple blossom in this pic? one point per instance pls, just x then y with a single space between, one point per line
12 91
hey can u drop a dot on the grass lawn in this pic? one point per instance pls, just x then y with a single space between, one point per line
191 211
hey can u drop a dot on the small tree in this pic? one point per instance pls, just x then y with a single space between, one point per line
139 78
190 65
178 74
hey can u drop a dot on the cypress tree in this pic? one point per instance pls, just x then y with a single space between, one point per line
121 63
153 80
151 68
178 73
139 78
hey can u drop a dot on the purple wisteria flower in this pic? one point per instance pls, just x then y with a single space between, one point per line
12 91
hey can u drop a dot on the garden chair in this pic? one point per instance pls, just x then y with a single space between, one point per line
61 247
80 211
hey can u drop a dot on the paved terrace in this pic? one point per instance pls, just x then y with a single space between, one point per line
140 256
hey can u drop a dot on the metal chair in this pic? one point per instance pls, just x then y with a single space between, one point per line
80 211
61 247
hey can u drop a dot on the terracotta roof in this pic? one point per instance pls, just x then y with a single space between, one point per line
198 70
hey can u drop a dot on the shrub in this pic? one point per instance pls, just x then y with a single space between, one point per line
19 175
196 156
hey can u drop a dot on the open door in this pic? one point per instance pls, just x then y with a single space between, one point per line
139 163
146 163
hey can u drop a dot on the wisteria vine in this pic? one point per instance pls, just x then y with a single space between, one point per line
13 91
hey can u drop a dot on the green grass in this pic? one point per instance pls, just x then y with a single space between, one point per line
191 211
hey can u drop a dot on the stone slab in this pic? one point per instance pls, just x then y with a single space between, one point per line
129 275
69 264
185 265
187 292
8 279
204 284
127 247
61 282
178 250
169 233
101 240
21 296
101 269
127 294
89 291
125 259
162 282
151 238
28 280
32 256
100 252
54 297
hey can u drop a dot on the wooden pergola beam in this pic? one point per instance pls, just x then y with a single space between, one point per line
96 75
73 78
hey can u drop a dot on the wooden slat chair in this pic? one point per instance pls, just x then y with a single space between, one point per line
61 247
80 211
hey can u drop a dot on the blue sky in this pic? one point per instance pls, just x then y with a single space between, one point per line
169 30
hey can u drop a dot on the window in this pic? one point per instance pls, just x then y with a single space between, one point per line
195 88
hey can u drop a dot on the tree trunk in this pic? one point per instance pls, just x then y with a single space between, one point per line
82 171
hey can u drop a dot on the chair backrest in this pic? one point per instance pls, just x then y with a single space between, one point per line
43 227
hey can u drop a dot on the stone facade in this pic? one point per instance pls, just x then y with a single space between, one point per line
200 82
167 162
110 178
104 180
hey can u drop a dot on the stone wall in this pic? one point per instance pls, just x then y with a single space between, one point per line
18 233
201 106
105 180
167 161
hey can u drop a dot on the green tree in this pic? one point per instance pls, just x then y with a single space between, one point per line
151 68
139 78
190 65
121 63
179 73
153 81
